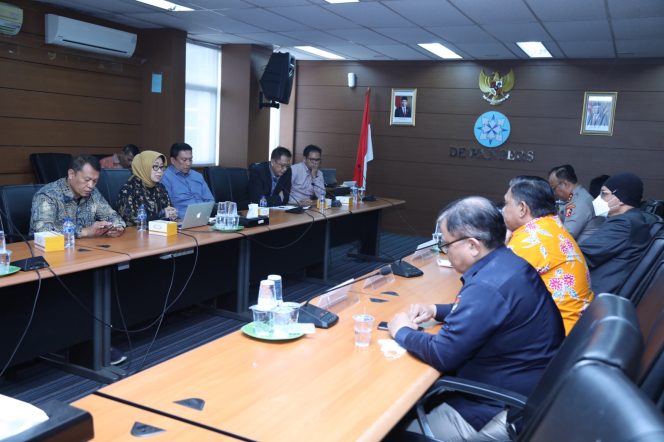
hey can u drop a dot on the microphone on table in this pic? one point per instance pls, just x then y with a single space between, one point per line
322 318
402 268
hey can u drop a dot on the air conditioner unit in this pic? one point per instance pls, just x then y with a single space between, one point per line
11 19
65 31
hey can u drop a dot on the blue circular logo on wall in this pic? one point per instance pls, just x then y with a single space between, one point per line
492 129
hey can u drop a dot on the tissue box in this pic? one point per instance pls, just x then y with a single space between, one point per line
163 228
50 241
345 200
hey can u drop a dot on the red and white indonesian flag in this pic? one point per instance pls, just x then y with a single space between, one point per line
364 147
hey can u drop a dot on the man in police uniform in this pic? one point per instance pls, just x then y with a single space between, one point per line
576 212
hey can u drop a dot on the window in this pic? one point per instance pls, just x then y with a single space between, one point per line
275 122
201 103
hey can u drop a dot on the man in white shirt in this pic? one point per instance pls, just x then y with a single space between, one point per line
307 182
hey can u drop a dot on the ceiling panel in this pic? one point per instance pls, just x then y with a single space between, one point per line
639 28
463 34
429 12
588 49
561 10
640 48
215 4
273 38
487 51
400 52
363 37
579 30
368 14
491 12
636 8
524 32
319 17
355 52
316 37
265 19
410 35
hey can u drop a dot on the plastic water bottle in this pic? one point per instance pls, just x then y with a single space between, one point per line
321 202
69 230
141 219
262 207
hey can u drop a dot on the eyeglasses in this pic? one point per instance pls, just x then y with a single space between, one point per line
314 160
556 186
445 247
157 168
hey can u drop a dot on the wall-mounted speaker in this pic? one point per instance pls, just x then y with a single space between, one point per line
277 79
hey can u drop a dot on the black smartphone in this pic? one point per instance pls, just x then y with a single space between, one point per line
382 325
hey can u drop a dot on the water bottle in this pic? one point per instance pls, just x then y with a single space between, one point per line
141 219
262 207
3 244
69 230
321 202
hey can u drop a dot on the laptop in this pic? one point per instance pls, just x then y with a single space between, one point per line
196 215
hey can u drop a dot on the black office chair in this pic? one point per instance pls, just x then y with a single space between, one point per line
16 204
229 184
632 288
653 206
49 166
650 313
597 402
330 177
110 182
65 423
608 332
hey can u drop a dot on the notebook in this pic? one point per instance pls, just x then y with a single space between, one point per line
197 215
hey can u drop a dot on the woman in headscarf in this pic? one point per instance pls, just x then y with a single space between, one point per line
143 187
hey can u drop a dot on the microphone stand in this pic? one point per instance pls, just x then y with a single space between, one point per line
322 318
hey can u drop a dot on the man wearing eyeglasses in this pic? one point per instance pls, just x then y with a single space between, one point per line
185 186
271 179
502 329
307 182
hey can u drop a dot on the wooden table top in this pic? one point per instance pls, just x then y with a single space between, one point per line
63 262
113 422
318 387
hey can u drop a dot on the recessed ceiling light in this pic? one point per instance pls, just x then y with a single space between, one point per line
163 4
439 50
342 1
320 52
534 49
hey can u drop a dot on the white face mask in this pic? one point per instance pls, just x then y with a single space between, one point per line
601 207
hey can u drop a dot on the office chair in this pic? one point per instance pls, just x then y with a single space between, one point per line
16 205
608 332
650 313
110 182
229 184
49 167
652 256
597 402
330 177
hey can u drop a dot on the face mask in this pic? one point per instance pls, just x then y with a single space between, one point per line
600 206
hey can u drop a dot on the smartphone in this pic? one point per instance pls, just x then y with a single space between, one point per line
382 325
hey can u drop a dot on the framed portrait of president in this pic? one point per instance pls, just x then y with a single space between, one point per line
598 113
402 107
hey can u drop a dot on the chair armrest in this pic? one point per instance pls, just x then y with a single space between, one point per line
451 383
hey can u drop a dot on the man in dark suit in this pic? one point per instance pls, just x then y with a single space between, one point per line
271 179
616 247
404 110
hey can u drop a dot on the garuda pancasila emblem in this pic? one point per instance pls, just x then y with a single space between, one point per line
495 87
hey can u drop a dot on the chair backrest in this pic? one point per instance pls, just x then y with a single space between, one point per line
650 258
653 206
16 203
49 167
110 182
608 332
330 177
597 402
650 313
229 184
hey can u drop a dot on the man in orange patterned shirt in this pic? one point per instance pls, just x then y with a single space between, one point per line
539 237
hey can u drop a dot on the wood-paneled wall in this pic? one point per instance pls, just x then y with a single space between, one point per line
414 163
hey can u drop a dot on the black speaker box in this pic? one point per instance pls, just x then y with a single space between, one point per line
277 79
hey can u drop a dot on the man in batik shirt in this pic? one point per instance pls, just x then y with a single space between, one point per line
539 237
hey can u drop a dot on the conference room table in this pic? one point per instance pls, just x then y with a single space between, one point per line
317 387
225 264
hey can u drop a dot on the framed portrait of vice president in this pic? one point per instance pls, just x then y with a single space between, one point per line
402 107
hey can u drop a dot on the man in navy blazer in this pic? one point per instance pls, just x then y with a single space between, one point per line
404 110
271 179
